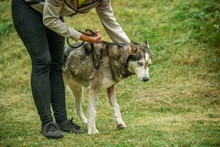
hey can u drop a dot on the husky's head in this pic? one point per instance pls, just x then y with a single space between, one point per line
140 60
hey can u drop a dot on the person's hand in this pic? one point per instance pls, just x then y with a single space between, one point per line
92 39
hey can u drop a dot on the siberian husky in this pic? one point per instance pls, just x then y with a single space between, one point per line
116 62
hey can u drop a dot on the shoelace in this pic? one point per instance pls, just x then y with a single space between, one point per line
75 125
52 127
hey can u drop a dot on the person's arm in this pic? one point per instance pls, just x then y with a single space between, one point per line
51 19
114 30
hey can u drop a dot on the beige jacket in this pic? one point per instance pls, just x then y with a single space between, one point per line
53 9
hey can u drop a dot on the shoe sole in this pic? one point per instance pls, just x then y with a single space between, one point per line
53 137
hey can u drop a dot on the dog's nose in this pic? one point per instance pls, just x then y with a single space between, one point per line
145 79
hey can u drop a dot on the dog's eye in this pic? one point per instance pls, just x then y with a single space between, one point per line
140 64
149 65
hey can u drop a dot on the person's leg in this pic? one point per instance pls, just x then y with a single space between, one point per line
31 30
56 47
46 60
29 26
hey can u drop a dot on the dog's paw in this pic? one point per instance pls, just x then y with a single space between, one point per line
121 126
95 131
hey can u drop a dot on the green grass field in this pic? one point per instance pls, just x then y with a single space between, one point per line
179 106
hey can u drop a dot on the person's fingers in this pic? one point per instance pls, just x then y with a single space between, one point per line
97 32
98 38
92 33
91 39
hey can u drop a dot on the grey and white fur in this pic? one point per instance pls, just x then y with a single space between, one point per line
117 62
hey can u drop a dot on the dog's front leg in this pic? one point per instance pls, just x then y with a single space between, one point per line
77 91
78 94
92 98
115 107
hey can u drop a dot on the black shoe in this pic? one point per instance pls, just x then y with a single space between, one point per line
51 131
70 126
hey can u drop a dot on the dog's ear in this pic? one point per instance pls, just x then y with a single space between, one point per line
132 48
146 43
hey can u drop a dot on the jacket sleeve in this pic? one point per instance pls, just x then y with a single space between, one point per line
51 19
114 30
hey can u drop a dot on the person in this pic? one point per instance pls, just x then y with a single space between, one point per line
41 27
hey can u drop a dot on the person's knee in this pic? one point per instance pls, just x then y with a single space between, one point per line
56 67
41 64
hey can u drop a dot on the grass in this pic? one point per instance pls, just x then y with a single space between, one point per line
179 106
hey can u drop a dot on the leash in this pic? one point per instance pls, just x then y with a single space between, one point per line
95 57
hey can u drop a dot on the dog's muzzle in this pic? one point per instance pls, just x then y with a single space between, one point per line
145 79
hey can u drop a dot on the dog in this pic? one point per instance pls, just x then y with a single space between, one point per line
116 62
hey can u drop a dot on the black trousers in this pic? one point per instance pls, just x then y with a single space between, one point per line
45 48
